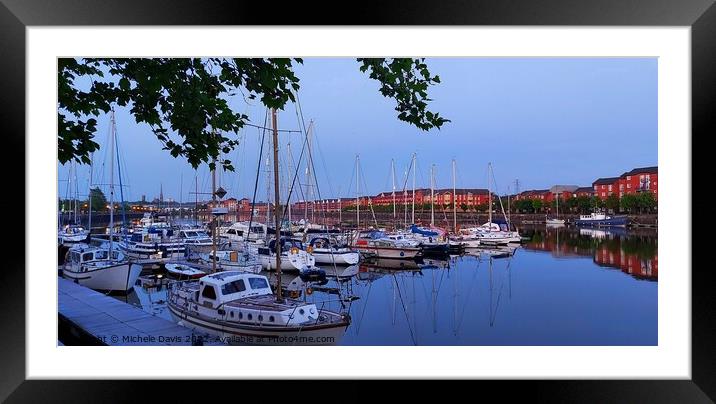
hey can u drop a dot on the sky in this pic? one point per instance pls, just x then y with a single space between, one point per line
542 121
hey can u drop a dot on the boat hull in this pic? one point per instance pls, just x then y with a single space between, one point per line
435 249
322 334
344 258
390 253
616 221
119 278
287 263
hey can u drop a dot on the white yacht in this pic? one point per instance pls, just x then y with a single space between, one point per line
72 234
153 243
375 243
239 232
196 240
293 256
327 250
99 268
242 309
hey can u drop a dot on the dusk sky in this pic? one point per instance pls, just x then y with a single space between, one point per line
543 121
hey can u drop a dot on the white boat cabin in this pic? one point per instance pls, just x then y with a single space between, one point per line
83 254
593 216
223 287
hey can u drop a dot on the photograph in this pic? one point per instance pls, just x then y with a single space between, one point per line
470 194
357 201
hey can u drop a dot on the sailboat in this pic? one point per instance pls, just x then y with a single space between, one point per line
74 232
492 233
243 309
555 221
102 268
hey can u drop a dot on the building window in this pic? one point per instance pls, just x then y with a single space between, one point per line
610 187
628 186
628 177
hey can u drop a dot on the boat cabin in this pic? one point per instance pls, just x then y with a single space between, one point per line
85 254
222 287
287 244
193 234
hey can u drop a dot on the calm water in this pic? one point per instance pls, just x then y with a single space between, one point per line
563 287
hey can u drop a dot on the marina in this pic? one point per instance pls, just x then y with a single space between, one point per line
487 296
297 261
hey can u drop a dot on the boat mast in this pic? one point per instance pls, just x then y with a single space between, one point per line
89 199
309 162
557 205
454 200
213 220
489 197
432 195
509 226
357 192
111 186
290 174
414 170
196 199
392 171
76 196
277 200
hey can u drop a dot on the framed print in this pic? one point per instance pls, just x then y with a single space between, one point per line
470 192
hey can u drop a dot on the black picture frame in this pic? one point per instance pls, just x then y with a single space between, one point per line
16 15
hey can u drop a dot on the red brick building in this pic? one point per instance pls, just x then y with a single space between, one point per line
542 194
583 191
463 196
632 264
643 179
603 187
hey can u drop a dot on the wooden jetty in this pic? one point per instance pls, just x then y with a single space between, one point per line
87 317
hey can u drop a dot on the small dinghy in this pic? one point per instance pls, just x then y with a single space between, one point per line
182 271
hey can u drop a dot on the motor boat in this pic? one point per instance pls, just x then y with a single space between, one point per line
100 268
241 308
293 256
376 243
327 251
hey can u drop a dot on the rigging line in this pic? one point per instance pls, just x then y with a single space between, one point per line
119 170
299 109
325 168
300 189
467 296
407 174
405 311
265 128
493 316
366 300
258 172
370 203
295 175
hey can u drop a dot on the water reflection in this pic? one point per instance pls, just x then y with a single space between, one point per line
633 252
570 295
